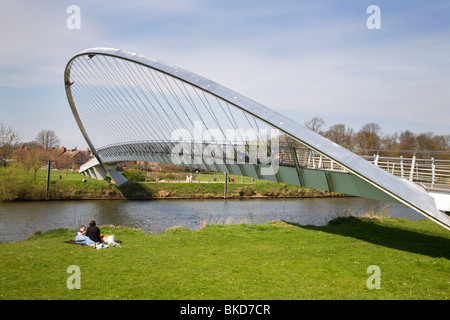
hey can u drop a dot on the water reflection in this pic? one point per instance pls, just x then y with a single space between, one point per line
18 220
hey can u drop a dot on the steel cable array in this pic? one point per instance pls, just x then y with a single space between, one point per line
122 103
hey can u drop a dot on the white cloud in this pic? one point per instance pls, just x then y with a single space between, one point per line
320 62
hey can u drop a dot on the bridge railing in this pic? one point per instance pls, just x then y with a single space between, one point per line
432 171
307 158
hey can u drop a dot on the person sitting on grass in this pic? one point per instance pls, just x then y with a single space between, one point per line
81 231
93 237
93 232
81 238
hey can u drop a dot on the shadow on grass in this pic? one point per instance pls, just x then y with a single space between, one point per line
388 236
131 190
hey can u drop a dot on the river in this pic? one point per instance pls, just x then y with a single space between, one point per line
18 220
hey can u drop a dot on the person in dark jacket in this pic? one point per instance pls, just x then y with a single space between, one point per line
93 232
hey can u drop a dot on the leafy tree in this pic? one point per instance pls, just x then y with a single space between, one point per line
9 182
31 160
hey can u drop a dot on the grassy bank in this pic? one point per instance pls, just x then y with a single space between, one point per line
271 261
63 185
198 190
69 186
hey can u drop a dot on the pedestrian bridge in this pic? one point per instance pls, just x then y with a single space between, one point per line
133 108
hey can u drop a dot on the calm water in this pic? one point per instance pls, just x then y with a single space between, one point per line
18 220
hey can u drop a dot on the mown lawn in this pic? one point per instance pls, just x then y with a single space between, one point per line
266 262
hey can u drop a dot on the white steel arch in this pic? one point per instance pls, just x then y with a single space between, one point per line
132 107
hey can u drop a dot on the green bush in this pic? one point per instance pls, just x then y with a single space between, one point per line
9 177
134 174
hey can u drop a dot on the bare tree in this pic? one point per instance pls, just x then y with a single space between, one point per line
315 124
9 138
407 141
340 134
47 139
368 137
390 141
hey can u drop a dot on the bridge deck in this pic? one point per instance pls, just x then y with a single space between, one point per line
296 165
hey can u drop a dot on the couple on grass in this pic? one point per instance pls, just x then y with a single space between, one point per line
92 236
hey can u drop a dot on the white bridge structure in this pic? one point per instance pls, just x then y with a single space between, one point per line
134 108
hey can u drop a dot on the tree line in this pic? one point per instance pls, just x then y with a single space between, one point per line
31 155
370 139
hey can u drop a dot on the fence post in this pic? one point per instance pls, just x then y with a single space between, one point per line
411 172
401 166
433 170
225 186
48 179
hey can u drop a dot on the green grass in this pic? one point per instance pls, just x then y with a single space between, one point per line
69 185
216 190
16 185
204 188
271 261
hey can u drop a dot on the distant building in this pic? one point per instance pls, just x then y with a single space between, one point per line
18 154
77 157
23 150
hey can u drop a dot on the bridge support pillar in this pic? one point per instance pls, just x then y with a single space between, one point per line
118 178
100 173
90 173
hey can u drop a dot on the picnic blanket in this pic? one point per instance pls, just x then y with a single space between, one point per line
84 244
73 242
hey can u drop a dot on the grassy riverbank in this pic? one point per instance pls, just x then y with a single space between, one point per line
69 186
275 260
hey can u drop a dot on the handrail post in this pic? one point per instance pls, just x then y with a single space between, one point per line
411 172
433 170
401 166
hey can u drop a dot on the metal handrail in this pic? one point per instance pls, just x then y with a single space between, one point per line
433 171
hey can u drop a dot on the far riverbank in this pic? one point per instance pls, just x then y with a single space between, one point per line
69 189
16 185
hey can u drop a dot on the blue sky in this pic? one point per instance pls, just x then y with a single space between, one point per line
300 58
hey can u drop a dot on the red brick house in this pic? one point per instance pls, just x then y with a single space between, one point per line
78 157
